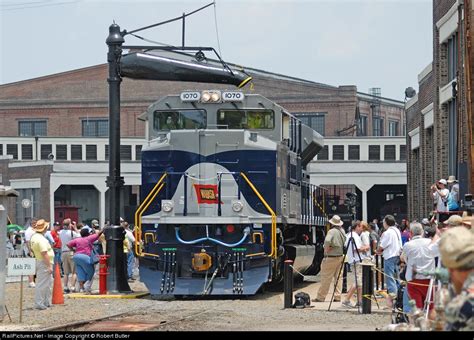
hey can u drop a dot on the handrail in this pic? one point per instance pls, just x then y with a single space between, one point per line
141 209
274 250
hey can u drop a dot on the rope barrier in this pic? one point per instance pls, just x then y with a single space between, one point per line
403 281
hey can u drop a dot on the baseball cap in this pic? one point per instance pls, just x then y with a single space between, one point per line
443 181
95 223
457 248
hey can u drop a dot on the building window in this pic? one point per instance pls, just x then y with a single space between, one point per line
125 152
403 152
138 152
362 126
315 120
452 137
374 152
23 215
12 149
26 151
377 126
91 152
389 151
106 155
46 150
61 152
392 128
76 152
31 128
95 127
452 57
1 149
354 152
338 152
323 155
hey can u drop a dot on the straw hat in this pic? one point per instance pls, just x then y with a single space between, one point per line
452 179
336 220
41 225
466 219
453 220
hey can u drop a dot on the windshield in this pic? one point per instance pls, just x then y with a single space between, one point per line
245 119
179 120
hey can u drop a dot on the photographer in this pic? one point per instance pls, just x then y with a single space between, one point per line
440 197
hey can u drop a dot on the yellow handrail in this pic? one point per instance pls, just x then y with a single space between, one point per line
141 209
274 245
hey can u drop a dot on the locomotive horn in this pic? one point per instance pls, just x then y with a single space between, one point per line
146 66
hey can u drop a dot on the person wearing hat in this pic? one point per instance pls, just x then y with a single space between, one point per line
440 197
453 221
44 256
57 245
457 254
332 261
453 198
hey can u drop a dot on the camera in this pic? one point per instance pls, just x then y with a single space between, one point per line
468 203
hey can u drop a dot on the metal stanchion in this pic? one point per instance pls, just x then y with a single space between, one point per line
376 273
288 283
382 278
367 288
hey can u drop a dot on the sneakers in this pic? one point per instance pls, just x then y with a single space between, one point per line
348 304
67 290
31 285
41 307
73 289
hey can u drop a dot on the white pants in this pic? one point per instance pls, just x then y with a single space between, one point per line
44 281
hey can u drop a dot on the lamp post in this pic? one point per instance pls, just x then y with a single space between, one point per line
5 192
117 278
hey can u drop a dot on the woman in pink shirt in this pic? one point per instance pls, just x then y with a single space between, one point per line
82 248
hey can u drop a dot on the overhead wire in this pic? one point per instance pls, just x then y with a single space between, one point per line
217 29
44 4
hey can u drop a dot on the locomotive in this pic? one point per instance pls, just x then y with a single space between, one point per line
226 197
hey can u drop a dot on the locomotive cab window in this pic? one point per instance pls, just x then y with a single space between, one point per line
246 119
179 120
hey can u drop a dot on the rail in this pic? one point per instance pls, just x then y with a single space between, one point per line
273 253
140 210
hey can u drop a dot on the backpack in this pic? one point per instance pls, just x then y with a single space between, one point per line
452 204
302 300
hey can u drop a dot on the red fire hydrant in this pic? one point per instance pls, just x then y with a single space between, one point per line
103 274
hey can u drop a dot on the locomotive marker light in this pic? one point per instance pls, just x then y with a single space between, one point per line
237 206
167 206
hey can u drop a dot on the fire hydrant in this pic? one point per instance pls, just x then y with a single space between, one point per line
103 274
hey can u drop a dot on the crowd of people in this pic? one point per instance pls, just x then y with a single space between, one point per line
73 247
411 253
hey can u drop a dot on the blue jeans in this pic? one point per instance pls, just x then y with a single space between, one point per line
406 299
84 270
57 259
130 263
390 268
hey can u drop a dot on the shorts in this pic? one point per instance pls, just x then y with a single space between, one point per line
357 269
69 267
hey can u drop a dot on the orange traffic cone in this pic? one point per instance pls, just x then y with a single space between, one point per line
58 296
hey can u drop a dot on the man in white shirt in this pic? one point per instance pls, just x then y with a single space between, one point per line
440 197
356 252
390 246
418 257
28 233
68 233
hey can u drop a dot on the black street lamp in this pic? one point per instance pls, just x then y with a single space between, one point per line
117 278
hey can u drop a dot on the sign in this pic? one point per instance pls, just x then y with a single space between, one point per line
25 203
206 193
232 96
190 96
18 266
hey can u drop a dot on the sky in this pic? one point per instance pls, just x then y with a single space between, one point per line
367 43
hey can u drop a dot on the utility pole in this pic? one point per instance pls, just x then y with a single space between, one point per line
117 278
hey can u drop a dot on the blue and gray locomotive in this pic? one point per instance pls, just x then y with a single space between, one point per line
226 198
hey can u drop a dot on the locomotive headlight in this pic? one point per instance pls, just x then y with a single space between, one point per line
206 96
237 206
167 206
215 97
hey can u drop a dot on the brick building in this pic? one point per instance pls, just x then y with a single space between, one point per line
438 122
54 131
